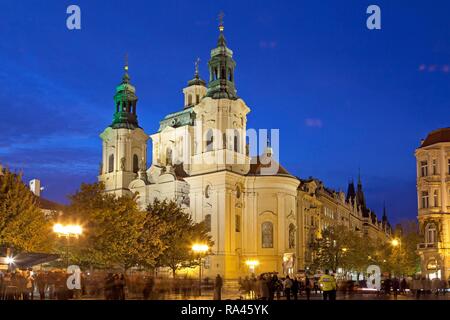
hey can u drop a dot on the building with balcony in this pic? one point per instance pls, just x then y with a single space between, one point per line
433 201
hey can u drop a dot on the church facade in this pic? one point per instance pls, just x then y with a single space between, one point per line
254 208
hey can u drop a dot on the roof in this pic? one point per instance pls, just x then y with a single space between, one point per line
27 260
259 163
437 136
178 119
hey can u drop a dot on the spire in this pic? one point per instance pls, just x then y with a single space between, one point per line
360 193
221 69
221 41
125 102
384 218
197 81
351 194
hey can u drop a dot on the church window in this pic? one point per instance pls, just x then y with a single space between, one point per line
238 192
424 168
291 236
230 74
236 141
448 171
238 223
425 201
111 163
434 166
197 99
436 198
207 191
216 73
189 99
135 163
430 233
267 234
208 222
209 140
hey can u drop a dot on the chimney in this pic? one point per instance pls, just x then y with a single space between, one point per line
35 187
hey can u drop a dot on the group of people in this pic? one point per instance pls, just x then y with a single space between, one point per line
114 286
425 286
22 284
269 287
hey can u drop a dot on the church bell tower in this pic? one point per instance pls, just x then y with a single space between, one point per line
124 142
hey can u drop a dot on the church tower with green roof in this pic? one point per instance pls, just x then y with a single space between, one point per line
124 143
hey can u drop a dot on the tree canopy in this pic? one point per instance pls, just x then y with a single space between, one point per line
181 233
23 225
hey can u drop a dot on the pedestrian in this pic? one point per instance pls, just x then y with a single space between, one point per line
148 288
263 288
295 288
218 283
328 285
403 285
308 287
443 287
287 284
395 286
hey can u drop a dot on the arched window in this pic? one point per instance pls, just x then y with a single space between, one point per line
209 140
230 74
236 141
430 233
267 234
436 198
197 99
135 163
111 163
291 236
189 100
208 222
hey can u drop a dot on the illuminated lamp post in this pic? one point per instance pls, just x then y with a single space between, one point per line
67 231
200 249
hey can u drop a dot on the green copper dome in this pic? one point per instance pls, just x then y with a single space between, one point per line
221 71
125 101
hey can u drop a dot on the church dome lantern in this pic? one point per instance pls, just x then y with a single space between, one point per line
221 69
125 100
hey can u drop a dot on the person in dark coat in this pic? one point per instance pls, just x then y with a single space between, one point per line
395 286
308 287
295 288
218 283
148 288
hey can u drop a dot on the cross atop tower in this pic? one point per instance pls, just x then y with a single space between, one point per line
220 18
196 63
126 62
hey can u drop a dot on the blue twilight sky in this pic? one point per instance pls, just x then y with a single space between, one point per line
342 96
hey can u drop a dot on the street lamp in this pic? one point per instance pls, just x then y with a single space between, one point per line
68 231
252 264
200 249
395 242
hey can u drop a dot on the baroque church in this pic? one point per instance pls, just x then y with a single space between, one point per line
254 208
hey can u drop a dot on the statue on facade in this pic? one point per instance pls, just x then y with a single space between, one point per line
122 163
